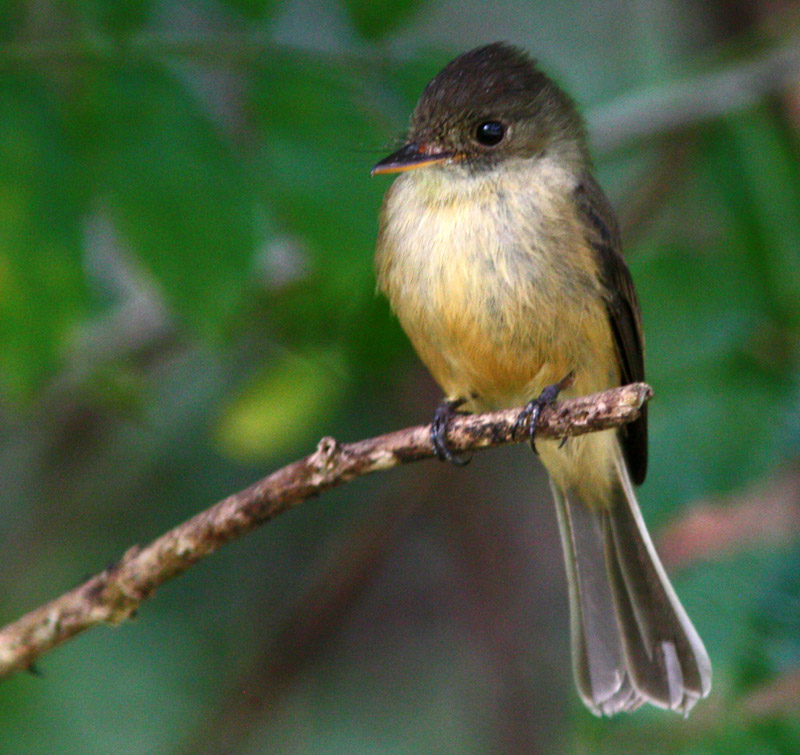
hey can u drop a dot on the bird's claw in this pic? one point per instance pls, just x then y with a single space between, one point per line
530 414
441 419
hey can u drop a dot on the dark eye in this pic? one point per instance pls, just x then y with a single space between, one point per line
490 133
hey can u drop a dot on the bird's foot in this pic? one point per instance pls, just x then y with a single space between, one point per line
534 408
441 419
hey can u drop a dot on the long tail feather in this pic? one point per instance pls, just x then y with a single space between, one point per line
632 641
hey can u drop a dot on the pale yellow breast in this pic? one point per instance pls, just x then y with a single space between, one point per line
494 283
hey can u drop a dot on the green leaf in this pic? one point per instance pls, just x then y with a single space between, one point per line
42 194
720 305
119 18
314 173
285 404
376 18
762 185
254 9
176 190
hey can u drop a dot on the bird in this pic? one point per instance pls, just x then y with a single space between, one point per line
501 257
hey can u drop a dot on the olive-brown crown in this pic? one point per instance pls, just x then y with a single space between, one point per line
493 103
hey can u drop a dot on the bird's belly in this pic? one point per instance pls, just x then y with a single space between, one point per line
490 328
493 364
498 303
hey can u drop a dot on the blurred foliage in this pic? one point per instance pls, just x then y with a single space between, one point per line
297 394
734 271
187 301
376 18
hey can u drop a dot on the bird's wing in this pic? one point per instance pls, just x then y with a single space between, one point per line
623 310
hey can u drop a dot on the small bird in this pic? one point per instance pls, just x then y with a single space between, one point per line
501 257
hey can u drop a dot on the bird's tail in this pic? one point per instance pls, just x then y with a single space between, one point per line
632 641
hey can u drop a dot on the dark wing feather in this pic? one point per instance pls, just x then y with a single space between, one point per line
623 310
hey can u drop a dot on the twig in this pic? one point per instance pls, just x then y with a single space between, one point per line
638 115
679 104
114 594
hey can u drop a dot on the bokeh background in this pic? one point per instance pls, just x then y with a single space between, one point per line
187 302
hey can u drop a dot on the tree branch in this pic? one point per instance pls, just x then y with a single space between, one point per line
114 594
639 114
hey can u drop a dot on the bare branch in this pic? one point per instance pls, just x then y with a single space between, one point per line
640 114
683 103
115 594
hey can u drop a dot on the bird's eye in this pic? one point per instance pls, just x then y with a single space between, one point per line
490 133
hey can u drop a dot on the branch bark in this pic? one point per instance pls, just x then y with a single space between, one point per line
113 595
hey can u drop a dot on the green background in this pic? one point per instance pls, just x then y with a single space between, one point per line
187 302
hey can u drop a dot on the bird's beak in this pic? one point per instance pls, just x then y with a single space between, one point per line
409 157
